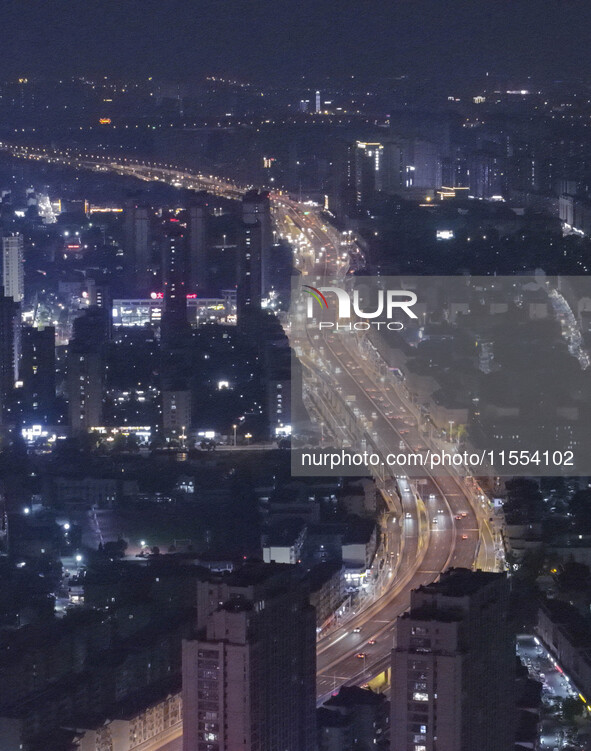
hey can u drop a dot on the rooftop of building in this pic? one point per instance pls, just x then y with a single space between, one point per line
328 719
354 696
359 532
529 694
323 572
255 573
460 582
565 615
285 532
527 728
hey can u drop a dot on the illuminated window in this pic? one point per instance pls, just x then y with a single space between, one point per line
420 696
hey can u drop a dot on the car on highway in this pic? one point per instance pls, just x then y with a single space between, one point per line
464 537
408 515
357 629
459 517
371 641
361 655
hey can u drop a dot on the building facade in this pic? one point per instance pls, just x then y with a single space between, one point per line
249 676
10 342
13 266
85 388
453 667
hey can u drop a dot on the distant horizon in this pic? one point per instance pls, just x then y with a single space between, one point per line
267 42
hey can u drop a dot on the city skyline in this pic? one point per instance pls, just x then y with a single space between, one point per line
295 376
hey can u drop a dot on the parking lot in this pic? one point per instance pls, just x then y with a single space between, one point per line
555 733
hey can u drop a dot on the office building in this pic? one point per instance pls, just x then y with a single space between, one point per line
9 350
453 666
37 371
318 102
137 241
249 676
197 249
13 268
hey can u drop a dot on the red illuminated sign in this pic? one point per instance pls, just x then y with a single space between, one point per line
160 296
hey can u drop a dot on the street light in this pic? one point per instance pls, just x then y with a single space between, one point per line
234 428
451 424
248 436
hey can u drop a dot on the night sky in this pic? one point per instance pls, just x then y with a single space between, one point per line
274 41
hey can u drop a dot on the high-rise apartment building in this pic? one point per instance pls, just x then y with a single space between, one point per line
176 412
248 297
174 316
85 387
256 211
37 371
197 250
137 243
488 174
249 676
367 170
453 667
13 269
355 718
92 327
9 349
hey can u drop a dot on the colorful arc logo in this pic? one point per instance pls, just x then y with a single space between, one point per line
316 294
